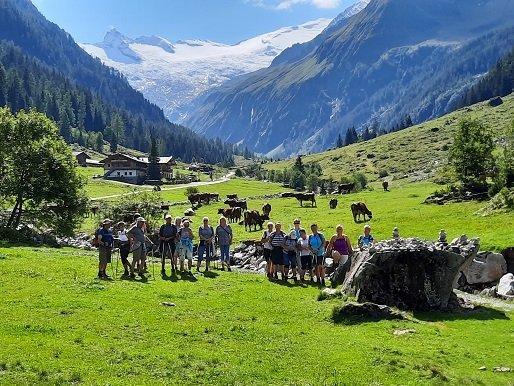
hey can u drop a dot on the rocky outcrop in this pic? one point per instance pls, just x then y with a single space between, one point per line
409 273
486 267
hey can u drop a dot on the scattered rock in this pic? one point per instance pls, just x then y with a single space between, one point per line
329 293
506 286
483 368
491 292
495 102
502 370
404 332
168 304
486 267
367 310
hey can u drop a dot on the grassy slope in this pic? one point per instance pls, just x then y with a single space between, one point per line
413 149
60 326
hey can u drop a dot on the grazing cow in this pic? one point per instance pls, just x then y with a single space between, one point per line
237 213
266 209
226 212
214 196
232 196
306 197
358 209
345 188
333 203
165 207
385 185
301 197
237 204
253 218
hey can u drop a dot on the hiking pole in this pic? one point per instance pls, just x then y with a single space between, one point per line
117 261
112 267
153 262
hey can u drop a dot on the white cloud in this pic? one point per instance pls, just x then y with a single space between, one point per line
288 4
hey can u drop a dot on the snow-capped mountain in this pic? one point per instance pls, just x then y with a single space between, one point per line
171 75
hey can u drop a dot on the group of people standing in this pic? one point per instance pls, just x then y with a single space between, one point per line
175 241
301 253
298 252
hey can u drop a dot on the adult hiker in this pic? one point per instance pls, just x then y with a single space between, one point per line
224 239
138 241
290 248
339 247
167 236
305 256
317 243
276 239
267 248
186 250
206 235
366 240
105 244
178 246
124 247
297 227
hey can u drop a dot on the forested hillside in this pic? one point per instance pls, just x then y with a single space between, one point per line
42 67
498 82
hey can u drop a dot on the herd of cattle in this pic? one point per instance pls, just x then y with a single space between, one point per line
238 212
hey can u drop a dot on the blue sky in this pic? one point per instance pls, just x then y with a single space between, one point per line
226 21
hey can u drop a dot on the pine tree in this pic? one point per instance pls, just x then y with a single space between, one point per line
339 142
351 136
298 165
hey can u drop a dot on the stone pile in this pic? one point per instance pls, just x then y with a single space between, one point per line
80 241
248 257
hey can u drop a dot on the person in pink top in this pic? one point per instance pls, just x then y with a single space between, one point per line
340 247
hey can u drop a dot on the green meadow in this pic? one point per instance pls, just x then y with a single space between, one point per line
61 326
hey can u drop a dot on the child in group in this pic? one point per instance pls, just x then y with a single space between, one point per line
305 256
366 240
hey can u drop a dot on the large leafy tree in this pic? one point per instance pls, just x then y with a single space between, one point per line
472 152
39 174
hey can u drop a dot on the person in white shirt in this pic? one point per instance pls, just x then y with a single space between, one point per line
267 249
124 246
305 256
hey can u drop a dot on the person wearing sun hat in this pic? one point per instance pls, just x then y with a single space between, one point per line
138 238
290 247
167 236
105 244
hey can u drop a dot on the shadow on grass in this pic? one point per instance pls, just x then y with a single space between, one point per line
478 313
137 279
210 274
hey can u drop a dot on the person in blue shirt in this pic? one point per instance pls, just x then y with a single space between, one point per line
105 243
317 244
366 240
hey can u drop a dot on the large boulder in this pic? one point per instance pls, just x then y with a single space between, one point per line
410 274
508 254
506 286
486 267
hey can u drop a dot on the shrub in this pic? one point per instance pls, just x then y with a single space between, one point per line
191 190
238 173
383 173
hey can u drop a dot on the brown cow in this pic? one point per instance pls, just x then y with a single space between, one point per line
358 209
266 209
346 188
253 217
333 203
301 197
237 204
214 196
385 185
225 212
237 213
232 196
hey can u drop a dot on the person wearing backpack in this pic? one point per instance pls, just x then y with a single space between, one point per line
267 248
317 244
206 235
224 239
167 236
105 244
305 256
276 239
